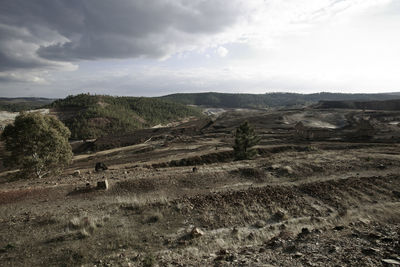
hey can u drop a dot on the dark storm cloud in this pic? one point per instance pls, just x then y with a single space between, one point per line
36 33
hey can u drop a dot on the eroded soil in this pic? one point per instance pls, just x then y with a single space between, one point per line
299 203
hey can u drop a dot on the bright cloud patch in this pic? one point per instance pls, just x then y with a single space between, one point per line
222 51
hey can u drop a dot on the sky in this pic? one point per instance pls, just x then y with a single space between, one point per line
55 48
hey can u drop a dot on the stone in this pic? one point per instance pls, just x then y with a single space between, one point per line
317 231
363 221
369 251
196 232
102 185
235 231
288 170
387 239
298 255
251 236
259 224
391 261
338 228
304 231
333 249
280 215
100 166
274 243
381 166
374 236
290 249
77 173
223 252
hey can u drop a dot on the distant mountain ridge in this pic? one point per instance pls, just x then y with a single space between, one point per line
393 104
227 100
23 103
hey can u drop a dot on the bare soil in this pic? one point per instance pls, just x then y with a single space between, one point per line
331 202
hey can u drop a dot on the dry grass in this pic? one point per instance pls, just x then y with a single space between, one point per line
145 214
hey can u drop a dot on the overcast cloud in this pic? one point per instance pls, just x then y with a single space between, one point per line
152 47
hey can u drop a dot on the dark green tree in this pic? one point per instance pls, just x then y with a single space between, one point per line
245 140
37 144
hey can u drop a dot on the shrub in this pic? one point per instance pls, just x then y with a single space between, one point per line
149 260
245 140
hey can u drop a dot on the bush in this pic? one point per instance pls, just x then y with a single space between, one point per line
37 144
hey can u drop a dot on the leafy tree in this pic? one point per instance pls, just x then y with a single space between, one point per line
245 140
37 144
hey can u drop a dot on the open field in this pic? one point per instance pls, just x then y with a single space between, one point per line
320 195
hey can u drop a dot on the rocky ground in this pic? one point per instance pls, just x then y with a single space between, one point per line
299 203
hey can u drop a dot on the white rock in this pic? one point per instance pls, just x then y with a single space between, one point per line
102 185
196 232
391 261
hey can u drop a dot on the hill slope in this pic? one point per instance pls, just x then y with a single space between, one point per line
376 105
222 100
22 103
91 116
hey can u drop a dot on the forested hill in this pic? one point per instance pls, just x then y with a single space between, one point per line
22 103
91 116
375 105
223 100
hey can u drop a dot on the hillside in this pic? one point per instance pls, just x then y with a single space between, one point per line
375 105
22 103
222 100
92 116
314 196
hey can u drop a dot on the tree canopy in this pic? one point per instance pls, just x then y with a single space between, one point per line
37 144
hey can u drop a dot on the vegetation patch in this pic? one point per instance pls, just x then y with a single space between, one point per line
19 195
224 156
255 174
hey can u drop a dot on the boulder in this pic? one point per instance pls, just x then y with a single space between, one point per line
196 232
102 185
100 166
391 261
280 215
369 251
396 193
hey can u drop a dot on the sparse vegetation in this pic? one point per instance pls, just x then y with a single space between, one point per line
245 140
149 260
37 144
